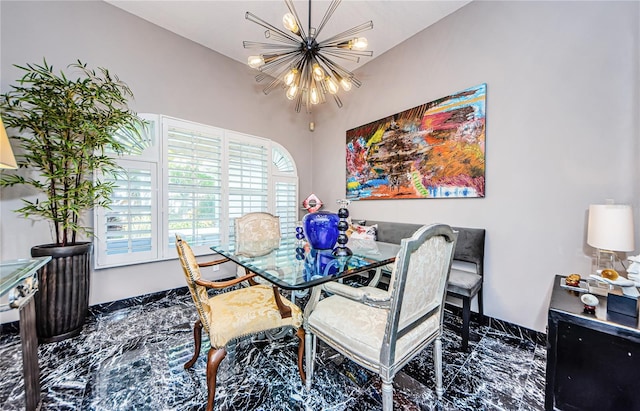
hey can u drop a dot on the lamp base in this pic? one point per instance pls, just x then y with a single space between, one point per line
602 260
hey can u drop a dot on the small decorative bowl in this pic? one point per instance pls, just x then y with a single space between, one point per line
590 302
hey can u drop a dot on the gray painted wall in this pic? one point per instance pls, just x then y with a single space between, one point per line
563 124
563 132
168 75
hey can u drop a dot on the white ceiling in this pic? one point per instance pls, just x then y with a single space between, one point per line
221 25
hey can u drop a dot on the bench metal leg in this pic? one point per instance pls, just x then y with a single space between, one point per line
466 317
480 308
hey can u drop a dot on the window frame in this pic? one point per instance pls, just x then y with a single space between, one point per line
156 157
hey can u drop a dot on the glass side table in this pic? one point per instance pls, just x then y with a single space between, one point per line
18 284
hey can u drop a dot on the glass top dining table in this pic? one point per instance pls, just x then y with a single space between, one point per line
292 267
14 272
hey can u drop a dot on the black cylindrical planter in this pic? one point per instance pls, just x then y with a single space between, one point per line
62 300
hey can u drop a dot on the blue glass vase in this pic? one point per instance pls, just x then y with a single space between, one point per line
320 263
321 229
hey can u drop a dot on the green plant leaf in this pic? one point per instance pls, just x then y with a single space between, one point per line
64 124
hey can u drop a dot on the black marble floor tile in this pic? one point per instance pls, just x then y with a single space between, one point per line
130 356
533 398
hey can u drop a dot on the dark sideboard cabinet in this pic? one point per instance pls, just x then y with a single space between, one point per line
593 360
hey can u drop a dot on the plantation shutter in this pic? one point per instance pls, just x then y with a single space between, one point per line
248 179
286 192
128 226
194 176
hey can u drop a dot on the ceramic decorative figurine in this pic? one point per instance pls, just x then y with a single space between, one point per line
633 272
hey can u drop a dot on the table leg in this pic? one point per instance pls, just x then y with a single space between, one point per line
30 365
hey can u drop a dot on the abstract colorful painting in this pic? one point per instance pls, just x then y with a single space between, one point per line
435 150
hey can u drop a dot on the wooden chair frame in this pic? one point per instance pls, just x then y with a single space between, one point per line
217 354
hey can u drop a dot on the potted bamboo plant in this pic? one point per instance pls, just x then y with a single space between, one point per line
65 127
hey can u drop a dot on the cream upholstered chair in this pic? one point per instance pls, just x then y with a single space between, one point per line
229 316
256 234
383 330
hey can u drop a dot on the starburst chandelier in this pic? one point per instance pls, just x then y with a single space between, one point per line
301 64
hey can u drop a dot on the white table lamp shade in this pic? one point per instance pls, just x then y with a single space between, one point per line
610 227
7 160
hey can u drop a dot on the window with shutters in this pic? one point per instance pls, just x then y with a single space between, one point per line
248 177
193 180
286 191
193 175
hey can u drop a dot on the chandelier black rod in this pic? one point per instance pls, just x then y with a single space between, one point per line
347 34
272 35
327 15
275 79
259 21
258 44
309 19
336 68
272 65
339 71
346 55
293 11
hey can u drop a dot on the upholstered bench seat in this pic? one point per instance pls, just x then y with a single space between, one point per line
467 270
464 283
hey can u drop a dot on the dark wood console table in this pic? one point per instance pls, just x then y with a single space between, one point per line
593 360
18 281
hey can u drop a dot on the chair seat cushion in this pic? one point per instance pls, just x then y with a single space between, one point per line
464 283
362 331
247 311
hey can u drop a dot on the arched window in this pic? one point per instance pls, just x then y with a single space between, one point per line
194 180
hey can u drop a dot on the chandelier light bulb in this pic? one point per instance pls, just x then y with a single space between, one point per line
255 61
292 91
290 77
345 83
359 43
315 98
331 84
290 24
318 72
